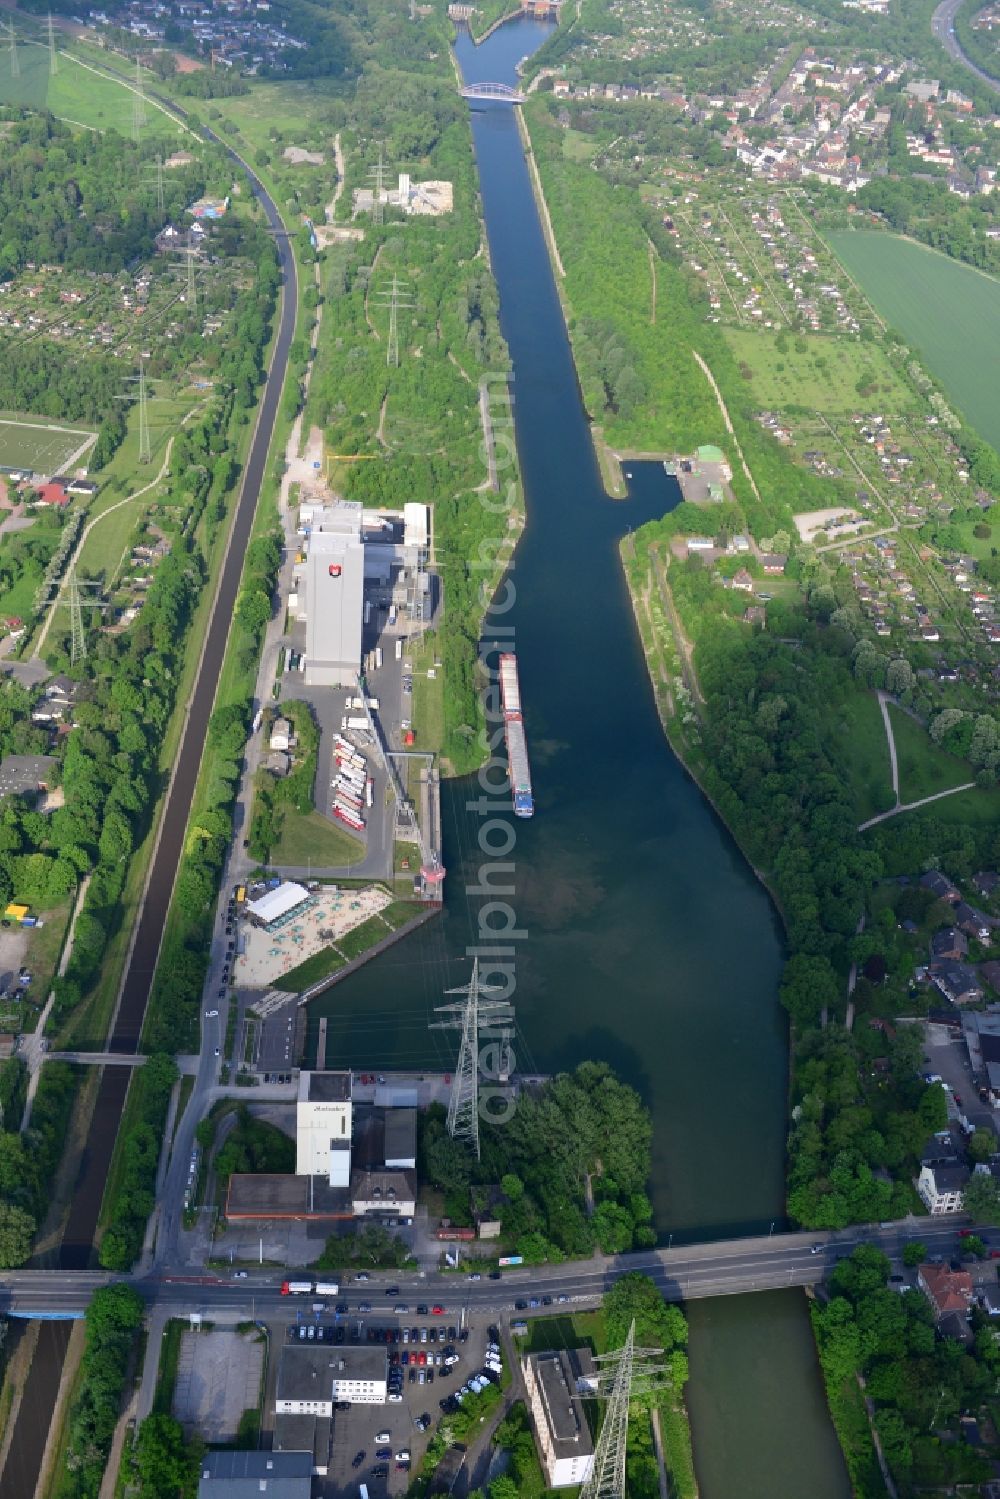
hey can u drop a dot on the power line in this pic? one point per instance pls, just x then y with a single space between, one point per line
15 62
470 1017
53 55
619 1372
77 604
138 104
157 167
394 299
377 174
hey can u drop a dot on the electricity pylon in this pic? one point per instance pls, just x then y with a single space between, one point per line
470 1016
394 299
15 62
145 446
138 104
53 55
157 167
77 604
622 1371
377 174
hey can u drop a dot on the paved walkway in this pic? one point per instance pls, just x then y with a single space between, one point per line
883 702
912 806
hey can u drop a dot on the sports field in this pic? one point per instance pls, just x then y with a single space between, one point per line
76 92
948 311
38 444
824 375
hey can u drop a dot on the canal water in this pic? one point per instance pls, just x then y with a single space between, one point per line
648 942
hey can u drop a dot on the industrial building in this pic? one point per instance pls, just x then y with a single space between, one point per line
554 1382
351 1160
323 1127
334 595
347 549
312 1377
255 1475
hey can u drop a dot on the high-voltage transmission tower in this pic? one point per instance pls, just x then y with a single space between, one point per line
627 1371
156 167
377 175
138 104
145 446
15 62
470 1016
53 54
394 298
77 604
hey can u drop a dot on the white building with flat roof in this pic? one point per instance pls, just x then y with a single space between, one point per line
553 1380
334 595
323 1123
313 1377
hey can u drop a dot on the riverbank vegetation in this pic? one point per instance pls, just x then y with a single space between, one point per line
565 1174
113 1319
28 1161
929 1389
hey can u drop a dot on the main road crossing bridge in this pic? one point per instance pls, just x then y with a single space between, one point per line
725 1267
501 91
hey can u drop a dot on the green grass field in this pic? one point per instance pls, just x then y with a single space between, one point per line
76 93
37 443
924 769
856 738
948 311
312 839
824 378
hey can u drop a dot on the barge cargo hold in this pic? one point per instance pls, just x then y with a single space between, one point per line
517 746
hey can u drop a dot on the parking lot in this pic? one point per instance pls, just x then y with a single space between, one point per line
425 1342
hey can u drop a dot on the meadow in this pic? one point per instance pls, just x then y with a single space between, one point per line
77 93
35 443
821 373
947 311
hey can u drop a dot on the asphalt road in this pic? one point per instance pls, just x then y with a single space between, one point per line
688 1272
943 27
166 857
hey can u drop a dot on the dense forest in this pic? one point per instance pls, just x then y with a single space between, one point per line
81 199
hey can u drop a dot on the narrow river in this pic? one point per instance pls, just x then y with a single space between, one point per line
649 942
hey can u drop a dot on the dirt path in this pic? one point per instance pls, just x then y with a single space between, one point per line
883 703
78 549
912 806
651 250
725 417
684 645
371 277
338 156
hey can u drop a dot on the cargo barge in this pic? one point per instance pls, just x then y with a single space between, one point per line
517 746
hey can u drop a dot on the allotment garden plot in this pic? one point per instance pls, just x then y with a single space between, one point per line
38 445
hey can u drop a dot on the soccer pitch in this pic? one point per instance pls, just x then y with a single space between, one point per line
36 444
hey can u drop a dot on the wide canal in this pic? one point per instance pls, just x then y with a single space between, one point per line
648 943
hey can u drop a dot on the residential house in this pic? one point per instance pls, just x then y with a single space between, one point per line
773 563
957 982
949 942
946 1289
742 581
941 1187
25 775
940 886
973 922
986 882
991 973
755 614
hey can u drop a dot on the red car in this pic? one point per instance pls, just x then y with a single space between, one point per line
965 1233
437 1311
422 1359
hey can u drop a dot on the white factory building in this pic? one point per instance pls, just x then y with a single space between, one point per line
323 1126
334 590
347 548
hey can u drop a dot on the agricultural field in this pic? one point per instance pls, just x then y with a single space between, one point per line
949 312
77 93
33 443
820 372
